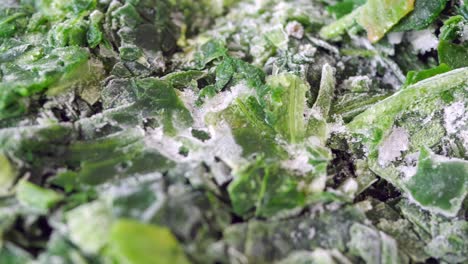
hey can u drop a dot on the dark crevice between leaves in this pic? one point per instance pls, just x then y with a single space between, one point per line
31 237
381 190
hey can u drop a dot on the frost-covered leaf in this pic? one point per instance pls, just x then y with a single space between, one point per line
89 225
266 189
440 184
287 106
36 197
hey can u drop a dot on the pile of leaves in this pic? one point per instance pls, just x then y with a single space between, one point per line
233 131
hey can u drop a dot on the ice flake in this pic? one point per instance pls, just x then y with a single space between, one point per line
395 37
393 145
423 40
299 160
350 186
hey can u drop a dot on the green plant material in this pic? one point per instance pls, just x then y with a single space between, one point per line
277 37
36 197
35 72
339 27
181 80
232 131
380 117
378 16
89 225
60 249
394 133
423 15
439 184
8 174
453 54
288 102
373 246
233 71
449 243
265 188
11 254
374 16
117 155
413 77
210 51
344 7
132 242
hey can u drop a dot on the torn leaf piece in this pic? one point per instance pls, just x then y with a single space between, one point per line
339 27
317 123
379 16
415 76
450 51
267 188
88 226
372 245
440 184
380 117
450 242
36 197
425 12
288 102
132 242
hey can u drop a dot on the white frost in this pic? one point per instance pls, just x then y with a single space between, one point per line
295 29
393 145
454 117
395 37
423 40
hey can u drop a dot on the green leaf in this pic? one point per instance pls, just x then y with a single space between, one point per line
89 225
287 105
424 14
37 72
8 174
210 51
117 155
372 245
381 116
439 184
453 54
132 242
415 76
344 7
379 16
12 254
182 79
246 118
265 187
36 197
339 27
